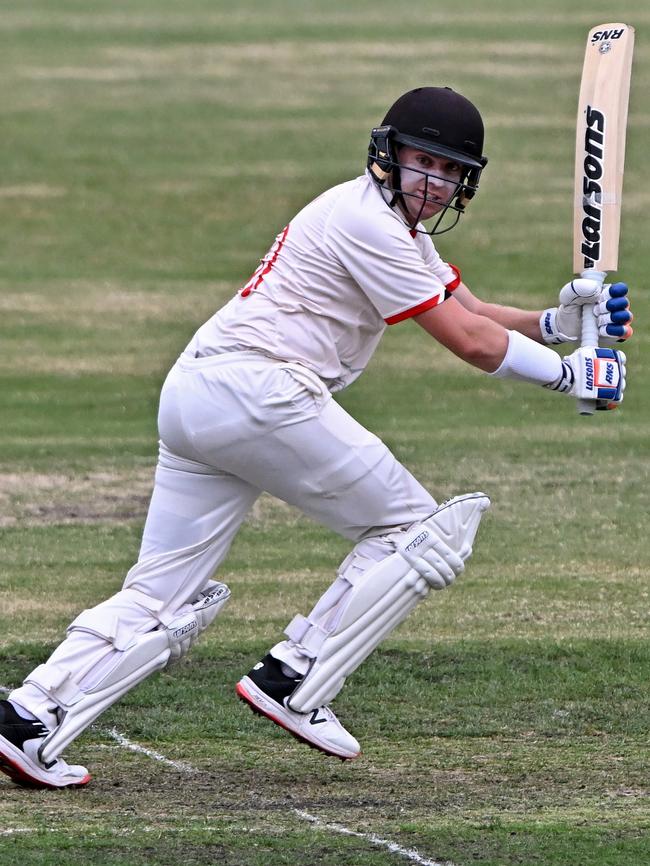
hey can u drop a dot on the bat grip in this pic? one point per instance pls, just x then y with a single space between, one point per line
589 335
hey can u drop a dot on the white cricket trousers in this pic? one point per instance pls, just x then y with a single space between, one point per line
231 426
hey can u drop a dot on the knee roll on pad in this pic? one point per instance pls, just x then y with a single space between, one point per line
144 654
121 617
429 555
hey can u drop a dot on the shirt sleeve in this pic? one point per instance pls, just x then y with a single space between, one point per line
387 262
449 274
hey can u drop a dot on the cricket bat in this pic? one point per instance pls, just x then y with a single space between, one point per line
600 158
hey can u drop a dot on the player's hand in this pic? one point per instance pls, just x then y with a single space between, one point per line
563 324
613 313
593 374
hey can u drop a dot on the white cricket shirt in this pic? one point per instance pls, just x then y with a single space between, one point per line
344 268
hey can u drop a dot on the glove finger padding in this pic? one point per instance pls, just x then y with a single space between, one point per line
562 324
614 314
593 374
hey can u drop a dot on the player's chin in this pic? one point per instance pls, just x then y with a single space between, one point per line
430 209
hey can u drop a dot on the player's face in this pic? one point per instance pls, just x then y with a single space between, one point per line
428 182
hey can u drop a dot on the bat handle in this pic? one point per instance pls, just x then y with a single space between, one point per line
589 336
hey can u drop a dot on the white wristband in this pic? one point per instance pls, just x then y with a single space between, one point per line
529 361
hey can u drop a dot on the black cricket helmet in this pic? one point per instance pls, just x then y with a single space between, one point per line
438 121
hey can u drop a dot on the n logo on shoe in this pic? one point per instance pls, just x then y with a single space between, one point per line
314 720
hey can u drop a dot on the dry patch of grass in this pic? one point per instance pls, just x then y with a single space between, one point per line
107 324
37 499
103 496
133 21
224 62
32 190
87 302
19 606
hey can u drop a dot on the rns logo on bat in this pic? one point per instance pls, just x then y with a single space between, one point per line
606 35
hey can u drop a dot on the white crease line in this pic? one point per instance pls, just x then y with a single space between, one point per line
11 832
410 853
135 747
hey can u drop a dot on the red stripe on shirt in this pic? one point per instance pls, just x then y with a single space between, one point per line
456 281
414 311
266 264
427 305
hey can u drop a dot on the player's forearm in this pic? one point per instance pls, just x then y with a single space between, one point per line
514 319
511 318
471 337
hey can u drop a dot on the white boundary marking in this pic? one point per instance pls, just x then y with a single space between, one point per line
121 740
410 853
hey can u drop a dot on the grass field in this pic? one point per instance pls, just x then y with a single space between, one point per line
150 152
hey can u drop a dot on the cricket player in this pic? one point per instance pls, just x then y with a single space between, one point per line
248 408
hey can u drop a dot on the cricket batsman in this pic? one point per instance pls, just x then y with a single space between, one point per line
248 407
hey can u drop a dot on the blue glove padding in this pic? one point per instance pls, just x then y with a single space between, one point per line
611 306
613 313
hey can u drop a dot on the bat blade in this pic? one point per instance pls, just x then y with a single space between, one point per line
600 161
600 147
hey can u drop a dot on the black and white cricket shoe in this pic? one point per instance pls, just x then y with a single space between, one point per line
20 740
266 689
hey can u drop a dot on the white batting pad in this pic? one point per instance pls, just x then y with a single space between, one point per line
144 654
381 598
457 520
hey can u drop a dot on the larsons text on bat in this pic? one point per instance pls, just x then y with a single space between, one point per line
592 192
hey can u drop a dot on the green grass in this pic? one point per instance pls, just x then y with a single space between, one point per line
151 150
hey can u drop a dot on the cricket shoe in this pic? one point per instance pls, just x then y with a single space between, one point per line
266 689
20 740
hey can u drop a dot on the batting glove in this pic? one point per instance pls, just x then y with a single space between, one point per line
593 374
563 324
613 313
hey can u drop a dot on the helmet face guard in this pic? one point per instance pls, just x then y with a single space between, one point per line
442 123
